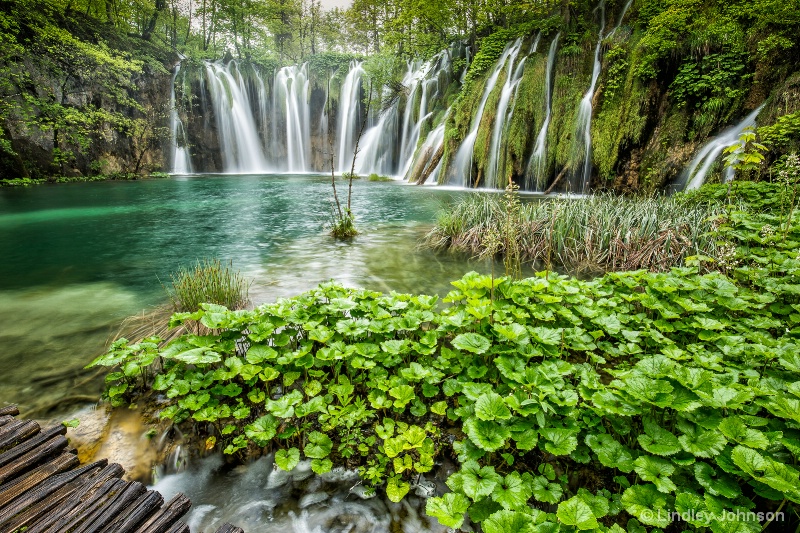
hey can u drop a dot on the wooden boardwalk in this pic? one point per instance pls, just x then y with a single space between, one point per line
44 489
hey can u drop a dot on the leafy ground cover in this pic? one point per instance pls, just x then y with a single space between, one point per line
606 404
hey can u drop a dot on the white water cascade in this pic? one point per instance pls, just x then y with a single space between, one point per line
349 120
238 138
583 124
698 169
513 77
537 165
290 95
181 160
461 171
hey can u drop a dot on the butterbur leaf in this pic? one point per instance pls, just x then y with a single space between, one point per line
449 509
506 521
439 408
489 436
656 470
492 407
319 445
546 491
402 394
702 443
575 512
559 441
475 481
513 492
262 430
646 503
610 452
321 466
735 429
287 459
471 342
721 485
658 440
396 488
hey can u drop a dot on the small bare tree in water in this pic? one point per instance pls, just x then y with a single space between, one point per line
379 70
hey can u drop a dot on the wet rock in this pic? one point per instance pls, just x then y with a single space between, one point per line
425 488
312 499
278 478
362 491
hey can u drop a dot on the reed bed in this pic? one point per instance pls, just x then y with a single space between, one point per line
599 233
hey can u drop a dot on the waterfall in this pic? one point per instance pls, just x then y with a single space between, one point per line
462 163
349 120
621 17
513 77
236 129
429 155
291 95
181 160
380 153
698 169
583 125
264 112
537 165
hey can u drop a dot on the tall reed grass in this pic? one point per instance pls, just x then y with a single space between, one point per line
599 233
208 281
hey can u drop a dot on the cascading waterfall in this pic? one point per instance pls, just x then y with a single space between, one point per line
537 165
513 78
377 145
582 170
701 164
461 170
236 129
181 160
349 120
291 96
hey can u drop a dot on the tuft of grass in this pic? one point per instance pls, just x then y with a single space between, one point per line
599 233
209 281
376 177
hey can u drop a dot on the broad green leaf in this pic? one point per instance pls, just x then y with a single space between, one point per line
513 492
449 509
647 504
262 430
506 521
396 488
575 512
287 459
319 445
492 407
489 436
471 342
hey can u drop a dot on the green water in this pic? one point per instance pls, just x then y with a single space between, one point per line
75 259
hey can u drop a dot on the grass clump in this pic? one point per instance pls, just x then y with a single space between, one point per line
376 177
343 227
209 281
597 234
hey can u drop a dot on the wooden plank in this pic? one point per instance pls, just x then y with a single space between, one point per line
11 410
42 491
17 487
101 497
30 444
130 518
33 457
110 510
228 528
164 519
85 492
5 419
180 527
43 507
17 431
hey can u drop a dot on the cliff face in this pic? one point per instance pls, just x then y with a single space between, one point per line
79 97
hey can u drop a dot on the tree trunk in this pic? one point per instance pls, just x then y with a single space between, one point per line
161 5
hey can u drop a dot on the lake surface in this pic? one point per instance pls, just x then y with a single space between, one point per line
75 259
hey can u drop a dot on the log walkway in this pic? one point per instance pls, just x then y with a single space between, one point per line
44 489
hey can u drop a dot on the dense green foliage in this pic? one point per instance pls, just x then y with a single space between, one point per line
604 404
